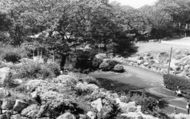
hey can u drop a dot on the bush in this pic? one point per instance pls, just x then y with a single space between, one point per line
54 67
101 56
2 64
8 82
84 60
148 104
96 63
172 82
31 69
118 68
85 88
11 57
104 66
108 65
8 49
112 63
90 80
44 73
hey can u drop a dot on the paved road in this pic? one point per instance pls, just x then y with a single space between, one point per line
152 82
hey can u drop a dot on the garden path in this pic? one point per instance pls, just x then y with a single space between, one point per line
151 81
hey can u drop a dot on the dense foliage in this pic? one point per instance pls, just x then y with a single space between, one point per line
29 69
172 82
59 28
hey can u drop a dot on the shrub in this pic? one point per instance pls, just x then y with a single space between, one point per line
104 66
54 67
8 49
162 104
148 104
32 70
108 65
125 99
11 57
171 82
28 70
101 56
112 63
84 59
9 82
45 72
2 64
118 68
96 63
90 80
84 88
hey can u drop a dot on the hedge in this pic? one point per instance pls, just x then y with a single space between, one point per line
171 82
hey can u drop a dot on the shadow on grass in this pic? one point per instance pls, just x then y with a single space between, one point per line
115 86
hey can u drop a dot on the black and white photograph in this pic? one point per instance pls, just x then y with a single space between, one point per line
94 59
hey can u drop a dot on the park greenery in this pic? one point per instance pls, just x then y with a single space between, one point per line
59 28
48 48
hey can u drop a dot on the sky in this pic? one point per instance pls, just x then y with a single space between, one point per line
135 3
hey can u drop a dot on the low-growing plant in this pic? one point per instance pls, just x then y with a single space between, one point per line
85 88
148 104
8 82
119 68
114 111
108 65
45 73
11 57
90 80
172 82
84 59
31 70
10 53
2 64
54 67
104 66
96 63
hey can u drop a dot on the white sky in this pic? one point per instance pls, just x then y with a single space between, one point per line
135 3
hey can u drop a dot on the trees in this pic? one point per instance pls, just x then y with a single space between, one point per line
133 21
32 17
71 25
168 18
5 25
89 22
159 20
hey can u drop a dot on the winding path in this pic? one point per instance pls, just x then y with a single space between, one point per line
152 82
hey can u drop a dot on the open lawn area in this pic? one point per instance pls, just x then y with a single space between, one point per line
178 44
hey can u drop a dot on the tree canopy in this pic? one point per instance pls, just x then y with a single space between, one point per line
64 25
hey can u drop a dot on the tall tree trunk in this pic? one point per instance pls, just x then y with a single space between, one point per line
105 47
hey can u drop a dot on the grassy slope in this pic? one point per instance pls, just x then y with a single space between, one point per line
177 44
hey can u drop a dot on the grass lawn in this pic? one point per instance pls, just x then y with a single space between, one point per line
177 44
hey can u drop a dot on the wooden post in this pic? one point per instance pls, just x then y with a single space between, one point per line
33 53
53 56
38 52
170 60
